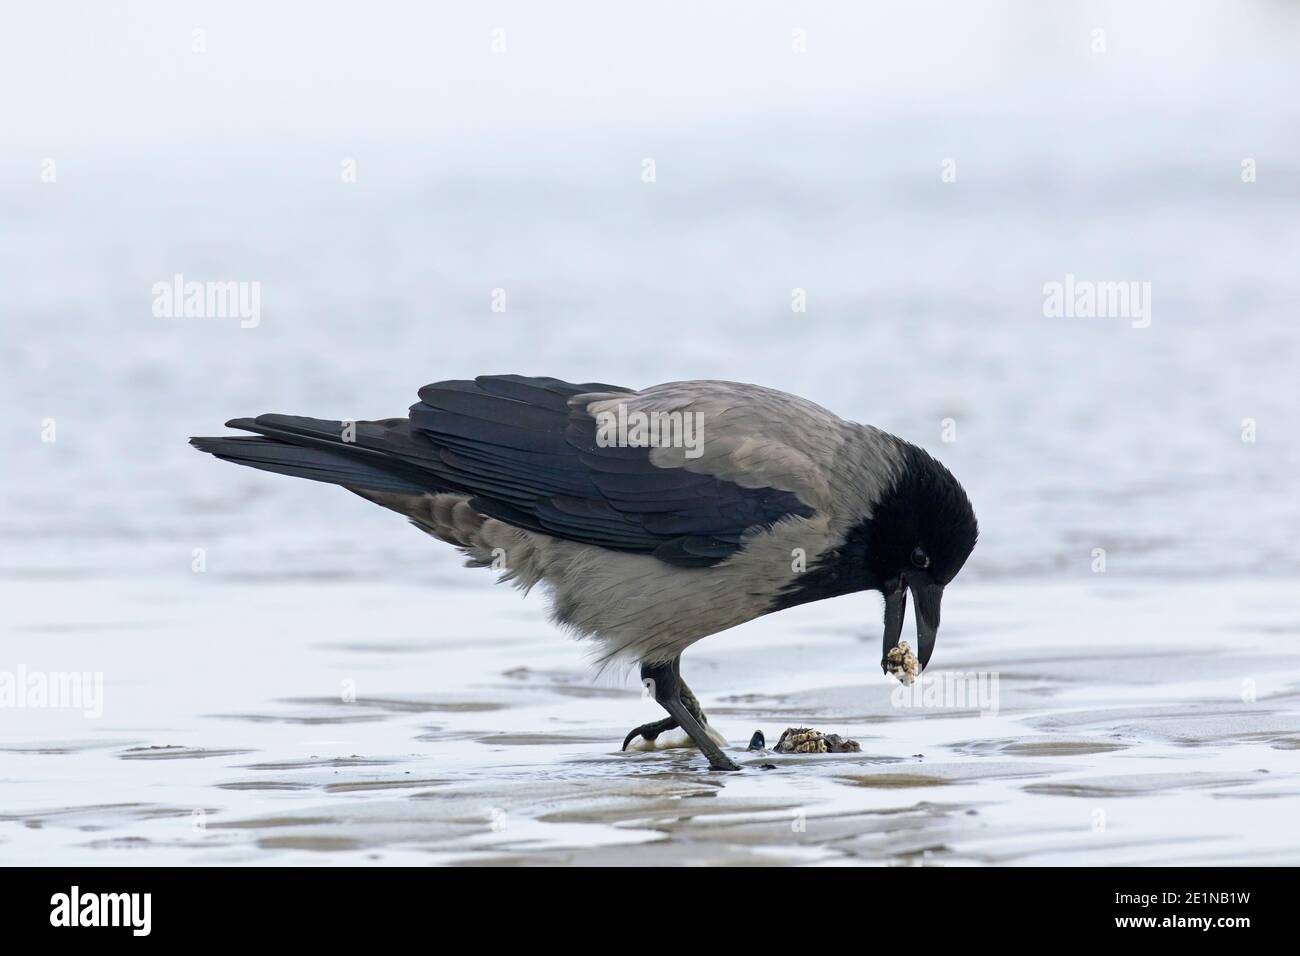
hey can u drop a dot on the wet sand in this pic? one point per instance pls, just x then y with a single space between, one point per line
1136 724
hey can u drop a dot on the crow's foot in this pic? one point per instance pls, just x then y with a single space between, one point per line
664 681
650 732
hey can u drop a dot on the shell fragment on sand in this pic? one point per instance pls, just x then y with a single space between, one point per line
805 740
902 663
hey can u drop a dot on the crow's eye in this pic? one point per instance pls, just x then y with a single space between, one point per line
920 558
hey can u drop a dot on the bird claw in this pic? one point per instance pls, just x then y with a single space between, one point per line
723 763
650 732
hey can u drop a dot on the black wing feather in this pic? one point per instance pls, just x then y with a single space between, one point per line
519 435
523 455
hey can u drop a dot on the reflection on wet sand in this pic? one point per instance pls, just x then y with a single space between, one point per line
286 748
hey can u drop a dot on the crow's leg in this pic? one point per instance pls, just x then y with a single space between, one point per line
651 731
672 694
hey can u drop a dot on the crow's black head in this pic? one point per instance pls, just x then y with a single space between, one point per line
920 533
924 522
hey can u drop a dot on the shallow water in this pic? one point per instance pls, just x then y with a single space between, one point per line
226 738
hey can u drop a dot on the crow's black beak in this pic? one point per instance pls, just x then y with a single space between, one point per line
928 597
895 609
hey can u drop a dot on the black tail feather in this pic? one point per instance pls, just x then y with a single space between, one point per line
344 467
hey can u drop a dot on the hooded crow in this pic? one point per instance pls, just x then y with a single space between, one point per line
653 518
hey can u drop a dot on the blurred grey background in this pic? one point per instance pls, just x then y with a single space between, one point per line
775 170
